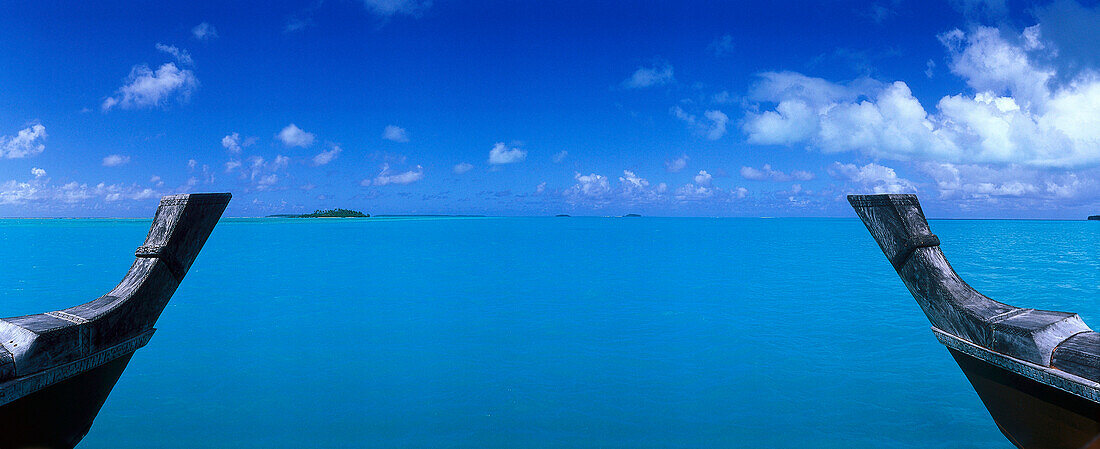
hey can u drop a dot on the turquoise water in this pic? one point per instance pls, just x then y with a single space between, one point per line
544 332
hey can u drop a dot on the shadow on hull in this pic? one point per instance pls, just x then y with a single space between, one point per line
59 416
1031 414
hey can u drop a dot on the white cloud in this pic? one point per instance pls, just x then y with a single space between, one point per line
16 192
262 173
877 178
967 183
675 165
293 136
462 167
713 127
145 88
989 63
114 160
691 192
1033 39
718 121
325 157
232 165
389 8
596 190
268 180
39 190
395 133
388 177
655 75
560 156
27 142
232 142
589 188
501 154
204 31
1015 117
766 173
181 56
703 178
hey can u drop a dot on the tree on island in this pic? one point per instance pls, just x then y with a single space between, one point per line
330 213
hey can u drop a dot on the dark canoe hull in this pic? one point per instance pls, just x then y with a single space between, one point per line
57 367
1037 371
59 416
1032 414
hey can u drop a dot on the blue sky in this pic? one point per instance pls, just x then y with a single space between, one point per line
984 108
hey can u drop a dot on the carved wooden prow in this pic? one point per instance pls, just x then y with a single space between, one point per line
898 225
33 343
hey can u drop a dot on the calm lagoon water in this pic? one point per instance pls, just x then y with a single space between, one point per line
546 332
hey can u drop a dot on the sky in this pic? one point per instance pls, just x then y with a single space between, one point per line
984 108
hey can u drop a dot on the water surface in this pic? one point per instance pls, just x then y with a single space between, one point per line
546 332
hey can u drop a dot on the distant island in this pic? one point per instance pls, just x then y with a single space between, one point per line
631 216
331 213
1094 217
562 215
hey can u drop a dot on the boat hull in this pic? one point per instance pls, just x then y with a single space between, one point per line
58 416
1031 414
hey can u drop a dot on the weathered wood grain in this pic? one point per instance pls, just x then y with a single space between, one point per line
898 225
42 342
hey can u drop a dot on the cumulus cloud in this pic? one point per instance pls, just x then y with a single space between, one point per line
325 157
386 176
501 154
597 190
1015 116
990 63
877 178
232 142
654 75
766 173
293 136
692 192
395 133
27 142
590 187
39 190
204 31
462 167
703 178
713 125
675 165
636 189
967 182
263 174
181 56
115 160
145 88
